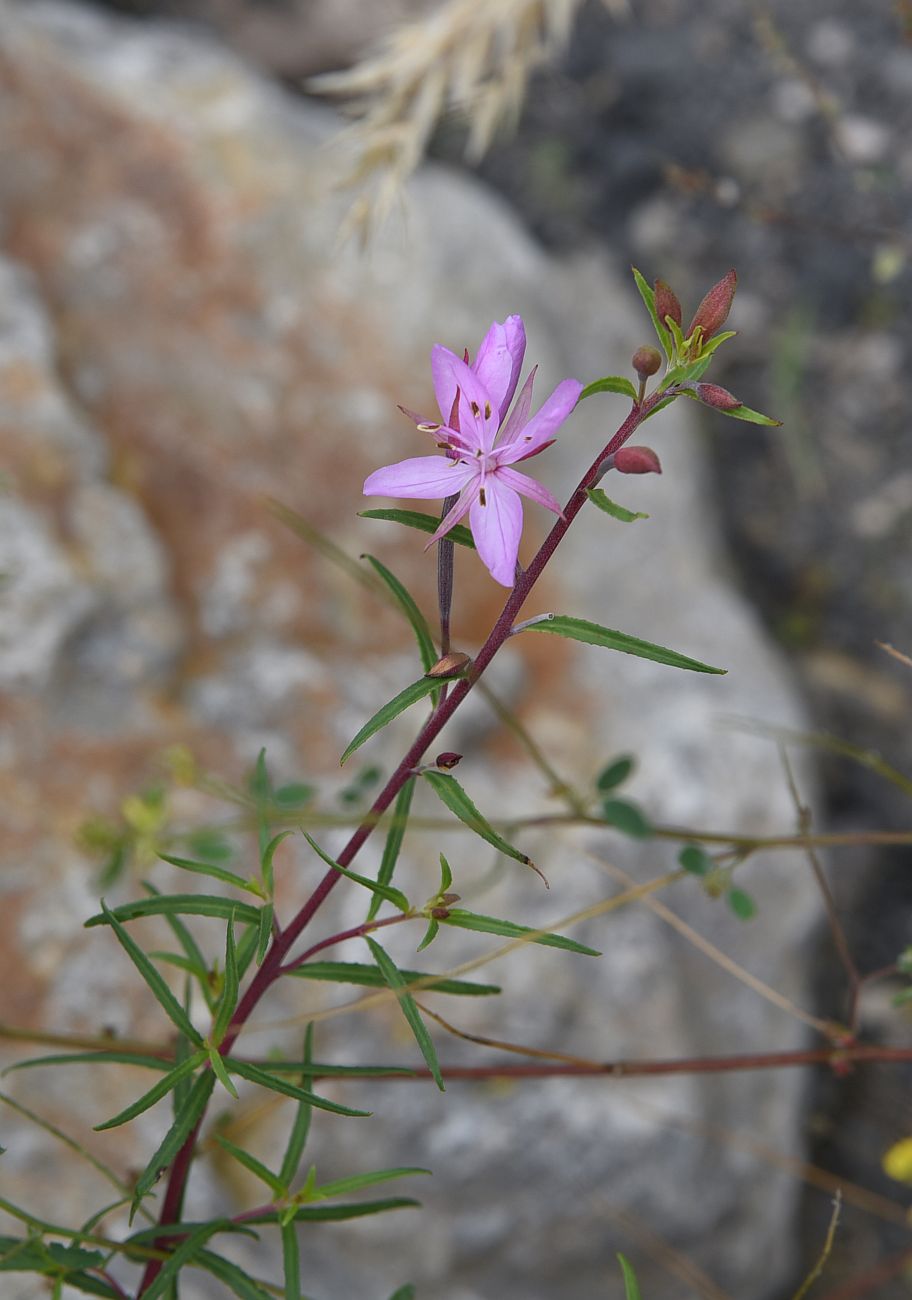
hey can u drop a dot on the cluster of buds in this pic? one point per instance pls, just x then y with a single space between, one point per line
708 319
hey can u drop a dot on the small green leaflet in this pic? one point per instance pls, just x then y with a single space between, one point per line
425 523
291 1261
94 1058
350 972
157 986
594 634
181 1255
180 905
156 1092
510 930
753 417
394 838
397 983
411 695
631 1286
209 869
610 384
648 296
604 502
414 615
451 793
387 892
174 1139
627 817
742 904
330 1213
256 1167
696 860
234 1277
356 1182
266 1080
406 1292
228 1000
616 773
300 1129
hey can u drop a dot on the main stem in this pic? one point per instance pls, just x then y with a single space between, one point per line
271 968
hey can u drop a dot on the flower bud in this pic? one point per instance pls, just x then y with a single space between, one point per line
450 665
646 361
637 460
712 312
666 303
447 760
718 397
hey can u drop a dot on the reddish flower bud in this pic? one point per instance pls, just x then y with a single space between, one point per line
712 312
637 460
646 361
447 759
718 397
666 303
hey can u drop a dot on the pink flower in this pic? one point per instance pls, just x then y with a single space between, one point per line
482 445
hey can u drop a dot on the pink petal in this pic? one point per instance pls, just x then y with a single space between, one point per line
520 414
497 528
544 424
420 476
499 361
479 419
457 511
529 487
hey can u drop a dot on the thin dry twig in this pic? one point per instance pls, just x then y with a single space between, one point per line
825 1253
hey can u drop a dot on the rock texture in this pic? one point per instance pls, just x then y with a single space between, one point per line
180 341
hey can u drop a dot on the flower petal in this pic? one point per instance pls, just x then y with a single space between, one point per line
544 424
499 361
497 528
420 476
529 487
479 418
519 416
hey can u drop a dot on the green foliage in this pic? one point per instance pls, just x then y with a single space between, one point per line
463 920
627 817
696 860
399 985
615 774
451 793
398 704
648 296
348 972
631 1286
385 892
578 629
604 502
423 522
610 384
394 837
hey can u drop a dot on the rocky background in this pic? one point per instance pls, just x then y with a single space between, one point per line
181 340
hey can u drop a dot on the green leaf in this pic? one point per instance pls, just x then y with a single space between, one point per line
616 773
430 934
753 417
648 296
464 920
294 795
387 892
393 844
709 348
234 1277
209 843
219 1069
398 984
228 1000
181 1256
323 1213
267 859
446 876
24 1255
742 904
157 986
180 905
264 932
424 523
594 634
451 793
197 963
406 1292
156 1092
627 817
604 502
94 1058
300 1129
631 1286
610 384
696 860
355 1183
265 1079
398 704
256 1167
349 972
249 943
208 869
414 615
291 1261
174 1139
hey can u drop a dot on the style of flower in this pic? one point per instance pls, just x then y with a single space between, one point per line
482 444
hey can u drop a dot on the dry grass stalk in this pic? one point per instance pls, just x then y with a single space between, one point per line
467 58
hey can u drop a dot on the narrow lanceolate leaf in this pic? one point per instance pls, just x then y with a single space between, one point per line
228 1000
256 1167
357 1182
182 1255
174 1139
451 793
157 986
610 384
180 905
406 1292
291 1261
156 1092
510 930
336 1213
267 860
648 296
604 502
424 523
300 1129
387 892
95 1058
753 417
264 932
198 965
394 838
414 615
631 1286
234 1277
397 983
208 869
594 634
267 1080
220 1070
398 704
350 972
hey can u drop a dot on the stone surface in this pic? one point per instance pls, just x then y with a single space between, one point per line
186 342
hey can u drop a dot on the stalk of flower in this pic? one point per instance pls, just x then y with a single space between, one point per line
482 444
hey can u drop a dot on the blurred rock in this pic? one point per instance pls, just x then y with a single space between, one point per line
177 226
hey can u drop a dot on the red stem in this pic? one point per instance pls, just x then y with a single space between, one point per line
272 965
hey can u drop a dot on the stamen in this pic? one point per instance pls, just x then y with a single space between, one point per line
487 410
481 497
476 410
427 427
